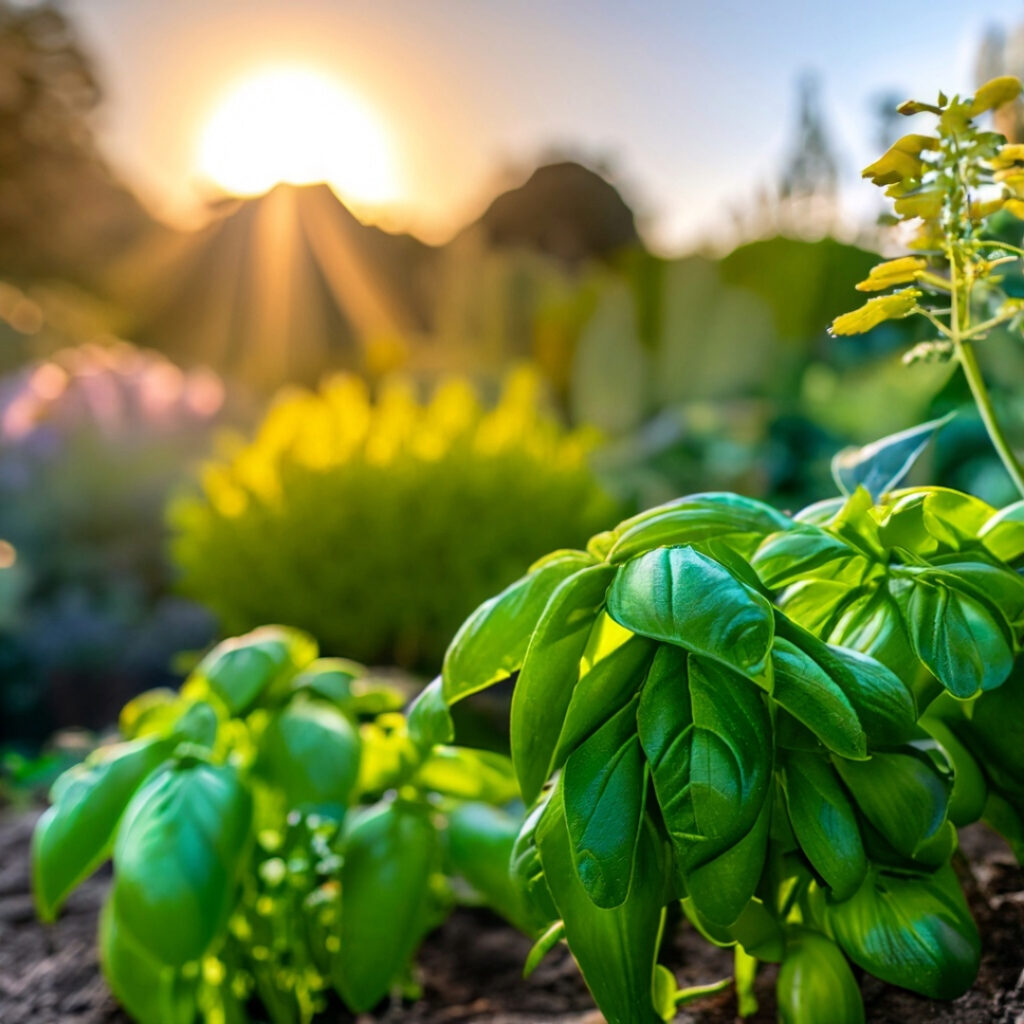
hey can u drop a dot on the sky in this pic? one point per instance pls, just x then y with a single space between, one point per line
690 104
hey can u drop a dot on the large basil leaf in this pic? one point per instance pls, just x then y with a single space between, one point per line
491 644
389 856
696 518
151 992
550 670
480 839
815 983
74 836
605 785
310 751
955 635
176 858
883 704
824 822
241 669
721 888
683 597
805 690
914 932
606 684
615 948
706 734
902 795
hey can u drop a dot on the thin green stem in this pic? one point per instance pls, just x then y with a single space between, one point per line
989 244
969 362
987 325
959 322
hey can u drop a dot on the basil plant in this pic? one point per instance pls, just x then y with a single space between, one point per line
278 830
726 709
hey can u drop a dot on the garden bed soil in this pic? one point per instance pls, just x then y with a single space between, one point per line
471 966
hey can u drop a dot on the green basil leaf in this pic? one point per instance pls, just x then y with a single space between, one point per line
992 733
901 794
331 679
550 670
722 888
680 596
870 622
805 690
999 588
824 822
527 872
695 518
74 836
480 840
816 605
913 932
491 644
151 992
955 635
731 751
807 551
389 856
815 982
616 948
884 706
468 774
929 520
605 785
310 751
607 683
241 669
152 713
429 721
176 858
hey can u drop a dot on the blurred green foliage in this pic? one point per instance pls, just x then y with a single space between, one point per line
377 525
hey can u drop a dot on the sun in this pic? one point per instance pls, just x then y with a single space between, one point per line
297 125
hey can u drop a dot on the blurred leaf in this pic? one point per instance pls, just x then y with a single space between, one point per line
880 467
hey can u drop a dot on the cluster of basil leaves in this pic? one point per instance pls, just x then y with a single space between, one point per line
278 829
722 705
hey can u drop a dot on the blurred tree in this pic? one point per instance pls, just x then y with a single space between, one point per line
61 211
809 180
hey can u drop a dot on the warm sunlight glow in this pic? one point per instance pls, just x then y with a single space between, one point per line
297 125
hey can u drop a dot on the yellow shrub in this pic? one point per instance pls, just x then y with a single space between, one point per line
378 526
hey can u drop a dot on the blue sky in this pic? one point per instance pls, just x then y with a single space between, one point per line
691 102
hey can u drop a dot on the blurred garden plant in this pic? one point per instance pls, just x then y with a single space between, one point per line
92 440
779 722
278 830
434 505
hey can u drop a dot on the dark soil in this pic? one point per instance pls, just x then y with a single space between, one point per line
471 967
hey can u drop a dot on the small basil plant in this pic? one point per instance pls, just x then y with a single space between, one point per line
281 835
774 723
